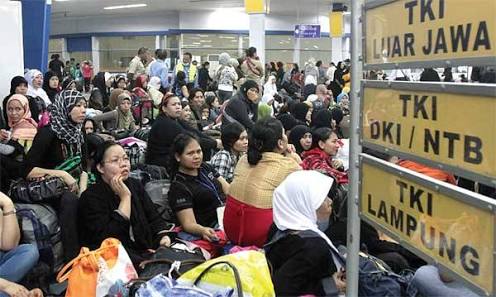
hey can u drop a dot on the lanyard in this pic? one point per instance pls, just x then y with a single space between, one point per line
206 182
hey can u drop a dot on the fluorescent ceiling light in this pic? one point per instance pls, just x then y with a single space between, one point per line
125 6
347 13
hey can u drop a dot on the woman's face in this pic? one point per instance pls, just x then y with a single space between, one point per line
121 84
53 82
215 103
115 162
78 112
205 113
306 141
22 89
145 84
199 99
173 108
308 116
88 127
186 113
38 81
252 94
125 106
241 145
324 210
331 145
72 86
15 111
192 156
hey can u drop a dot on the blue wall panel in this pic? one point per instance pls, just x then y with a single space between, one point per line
36 33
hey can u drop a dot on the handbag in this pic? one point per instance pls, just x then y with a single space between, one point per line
95 273
164 257
46 190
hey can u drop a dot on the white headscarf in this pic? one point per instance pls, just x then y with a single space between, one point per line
155 82
296 200
36 92
269 87
310 79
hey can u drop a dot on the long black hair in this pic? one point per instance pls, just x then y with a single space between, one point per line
179 144
264 138
230 134
99 154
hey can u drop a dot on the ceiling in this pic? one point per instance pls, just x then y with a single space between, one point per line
82 8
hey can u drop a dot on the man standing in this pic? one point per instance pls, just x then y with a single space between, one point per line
189 69
159 68
56 65
137 66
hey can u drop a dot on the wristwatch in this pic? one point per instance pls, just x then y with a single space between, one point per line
8 213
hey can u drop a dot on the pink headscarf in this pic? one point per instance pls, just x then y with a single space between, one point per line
25 128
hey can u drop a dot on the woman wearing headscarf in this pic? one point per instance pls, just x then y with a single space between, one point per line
22 126
310 86
301 137
251 67
101 88
301 112
243 107
302 256
269 90
35 85
51 84
19 85
125 119
53 144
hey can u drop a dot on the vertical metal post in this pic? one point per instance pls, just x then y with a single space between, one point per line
353 240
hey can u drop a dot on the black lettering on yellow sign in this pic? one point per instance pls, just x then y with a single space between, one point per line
454 39
472 145
421 201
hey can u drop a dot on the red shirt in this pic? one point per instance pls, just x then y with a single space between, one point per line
317 159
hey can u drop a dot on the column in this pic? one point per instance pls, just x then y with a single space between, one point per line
157 42
65 54
257 34
240 46
337 49
95 54
297 51
36 33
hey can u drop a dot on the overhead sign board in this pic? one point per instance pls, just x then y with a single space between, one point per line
429 33
448 126
307 31
438 221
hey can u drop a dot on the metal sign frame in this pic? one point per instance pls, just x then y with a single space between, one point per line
462 195
486 90
474 61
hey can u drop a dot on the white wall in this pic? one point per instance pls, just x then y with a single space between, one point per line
192 20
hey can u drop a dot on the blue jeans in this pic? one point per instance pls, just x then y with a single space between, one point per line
16 263
429 283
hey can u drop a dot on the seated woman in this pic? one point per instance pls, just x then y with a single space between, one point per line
51 84
166 127
196 190
325 146
121 118
235 144
35 82
15 260
301 137
22 127
53 145
196 101
180 88
120 82
301 255
118 206
268 162
243 106
19 85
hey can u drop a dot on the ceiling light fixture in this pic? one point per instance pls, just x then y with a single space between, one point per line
125 6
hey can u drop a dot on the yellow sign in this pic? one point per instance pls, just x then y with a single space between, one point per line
336 23
454 233
420 31
255 6
458 130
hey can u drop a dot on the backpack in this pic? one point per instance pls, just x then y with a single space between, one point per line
39 226
158 191
376 279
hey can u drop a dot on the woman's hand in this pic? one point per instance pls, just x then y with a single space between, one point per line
337 164
209 234
35 293
15 290
118 186
69 181
165 241
4 135
340 280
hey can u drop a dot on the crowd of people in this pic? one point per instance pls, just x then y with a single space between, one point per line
268 144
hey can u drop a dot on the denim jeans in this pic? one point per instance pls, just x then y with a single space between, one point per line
16 263
428 283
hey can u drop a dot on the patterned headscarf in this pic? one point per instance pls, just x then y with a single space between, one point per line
65 129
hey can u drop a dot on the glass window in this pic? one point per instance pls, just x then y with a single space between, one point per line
55 46
317 48
116 52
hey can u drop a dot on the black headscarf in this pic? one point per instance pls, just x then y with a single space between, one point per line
288 121
296 134
322 119
99 82
46 85
299 111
